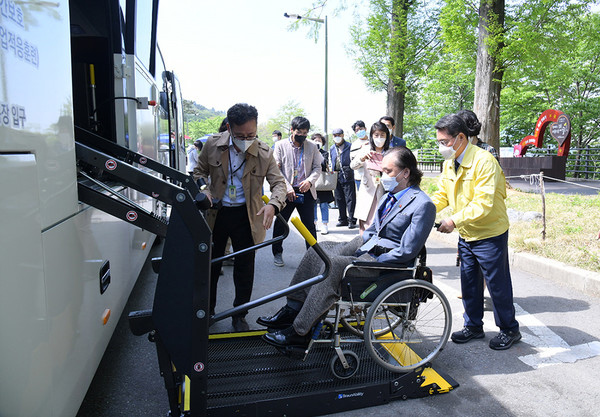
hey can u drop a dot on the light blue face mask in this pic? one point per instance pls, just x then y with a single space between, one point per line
361 134
388 183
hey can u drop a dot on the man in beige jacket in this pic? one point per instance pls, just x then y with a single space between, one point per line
235 164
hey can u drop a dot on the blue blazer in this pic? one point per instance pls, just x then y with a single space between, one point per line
347 173
405 228
396 141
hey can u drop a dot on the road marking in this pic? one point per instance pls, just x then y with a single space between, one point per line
551 348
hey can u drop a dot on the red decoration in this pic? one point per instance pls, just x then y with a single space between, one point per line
546 118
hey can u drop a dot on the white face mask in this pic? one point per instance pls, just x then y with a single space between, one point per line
388 183
379 142
243 145
447 152
338 139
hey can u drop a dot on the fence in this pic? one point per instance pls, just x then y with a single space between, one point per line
429 160
581 163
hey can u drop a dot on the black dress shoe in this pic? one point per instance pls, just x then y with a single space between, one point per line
341 223
286 337
352 225
282 319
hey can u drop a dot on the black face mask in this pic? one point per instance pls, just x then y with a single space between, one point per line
299 139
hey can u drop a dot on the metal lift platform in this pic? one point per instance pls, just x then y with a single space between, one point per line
246 377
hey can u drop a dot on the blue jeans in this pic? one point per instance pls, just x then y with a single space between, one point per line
324 212
490 256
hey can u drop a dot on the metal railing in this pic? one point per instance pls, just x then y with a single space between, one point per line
581 162
429 160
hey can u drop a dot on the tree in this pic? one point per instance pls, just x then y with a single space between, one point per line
507 35
199 128
489 71
282 121
394 48
562 73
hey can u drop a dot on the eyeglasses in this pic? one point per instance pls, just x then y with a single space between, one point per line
444 142
245 137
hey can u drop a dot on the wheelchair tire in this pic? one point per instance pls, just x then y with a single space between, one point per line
407 325
338 369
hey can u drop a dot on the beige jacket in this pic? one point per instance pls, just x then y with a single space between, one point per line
370 190
284 156
213 167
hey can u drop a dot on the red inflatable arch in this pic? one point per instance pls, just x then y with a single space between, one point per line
560 130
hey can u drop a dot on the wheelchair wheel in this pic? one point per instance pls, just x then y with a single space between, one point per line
407 325
338 369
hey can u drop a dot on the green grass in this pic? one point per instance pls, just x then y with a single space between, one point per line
572 226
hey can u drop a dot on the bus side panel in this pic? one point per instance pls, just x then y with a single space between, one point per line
35 101
76 307
25 363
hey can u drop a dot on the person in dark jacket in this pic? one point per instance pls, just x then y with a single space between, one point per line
345 192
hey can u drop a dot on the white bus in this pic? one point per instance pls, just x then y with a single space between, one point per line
66 268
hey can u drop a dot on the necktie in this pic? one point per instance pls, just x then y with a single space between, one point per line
456 165
388 205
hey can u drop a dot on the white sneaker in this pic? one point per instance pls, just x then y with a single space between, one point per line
317 226
324 230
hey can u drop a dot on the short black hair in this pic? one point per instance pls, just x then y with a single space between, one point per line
223 126
198 144
358 123
453 125
300 122
404 158
241 113
380 127
388 119
319 136
276 132
471 120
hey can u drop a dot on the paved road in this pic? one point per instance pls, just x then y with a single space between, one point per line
552 372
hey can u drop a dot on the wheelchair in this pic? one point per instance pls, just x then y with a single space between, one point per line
405 326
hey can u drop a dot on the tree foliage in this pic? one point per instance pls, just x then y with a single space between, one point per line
282 121
199 128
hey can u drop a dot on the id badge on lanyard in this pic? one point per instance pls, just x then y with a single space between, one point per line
231 192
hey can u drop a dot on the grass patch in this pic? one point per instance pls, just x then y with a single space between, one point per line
572 226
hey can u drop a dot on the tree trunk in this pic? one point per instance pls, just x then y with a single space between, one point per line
488 75
395 107
396 87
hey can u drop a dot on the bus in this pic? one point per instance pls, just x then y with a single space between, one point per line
66 267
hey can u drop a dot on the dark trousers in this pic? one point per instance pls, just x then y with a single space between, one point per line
233 222
306 211
490 256
345 198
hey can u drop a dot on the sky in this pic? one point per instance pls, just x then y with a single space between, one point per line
230 51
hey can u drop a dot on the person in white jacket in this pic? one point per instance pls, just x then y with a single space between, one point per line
368 162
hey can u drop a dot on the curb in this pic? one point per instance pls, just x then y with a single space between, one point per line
588 282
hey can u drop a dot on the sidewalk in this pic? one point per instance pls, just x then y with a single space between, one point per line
587 282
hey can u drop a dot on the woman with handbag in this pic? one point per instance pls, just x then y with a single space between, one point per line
368 161
324 197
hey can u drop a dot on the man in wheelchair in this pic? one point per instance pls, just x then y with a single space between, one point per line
403 220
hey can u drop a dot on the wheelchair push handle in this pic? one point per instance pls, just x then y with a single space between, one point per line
310 239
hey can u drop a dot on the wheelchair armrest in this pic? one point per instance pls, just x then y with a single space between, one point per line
382 265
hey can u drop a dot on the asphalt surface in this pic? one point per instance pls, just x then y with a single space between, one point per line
551 372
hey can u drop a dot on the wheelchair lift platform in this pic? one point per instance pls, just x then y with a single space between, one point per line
247 377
